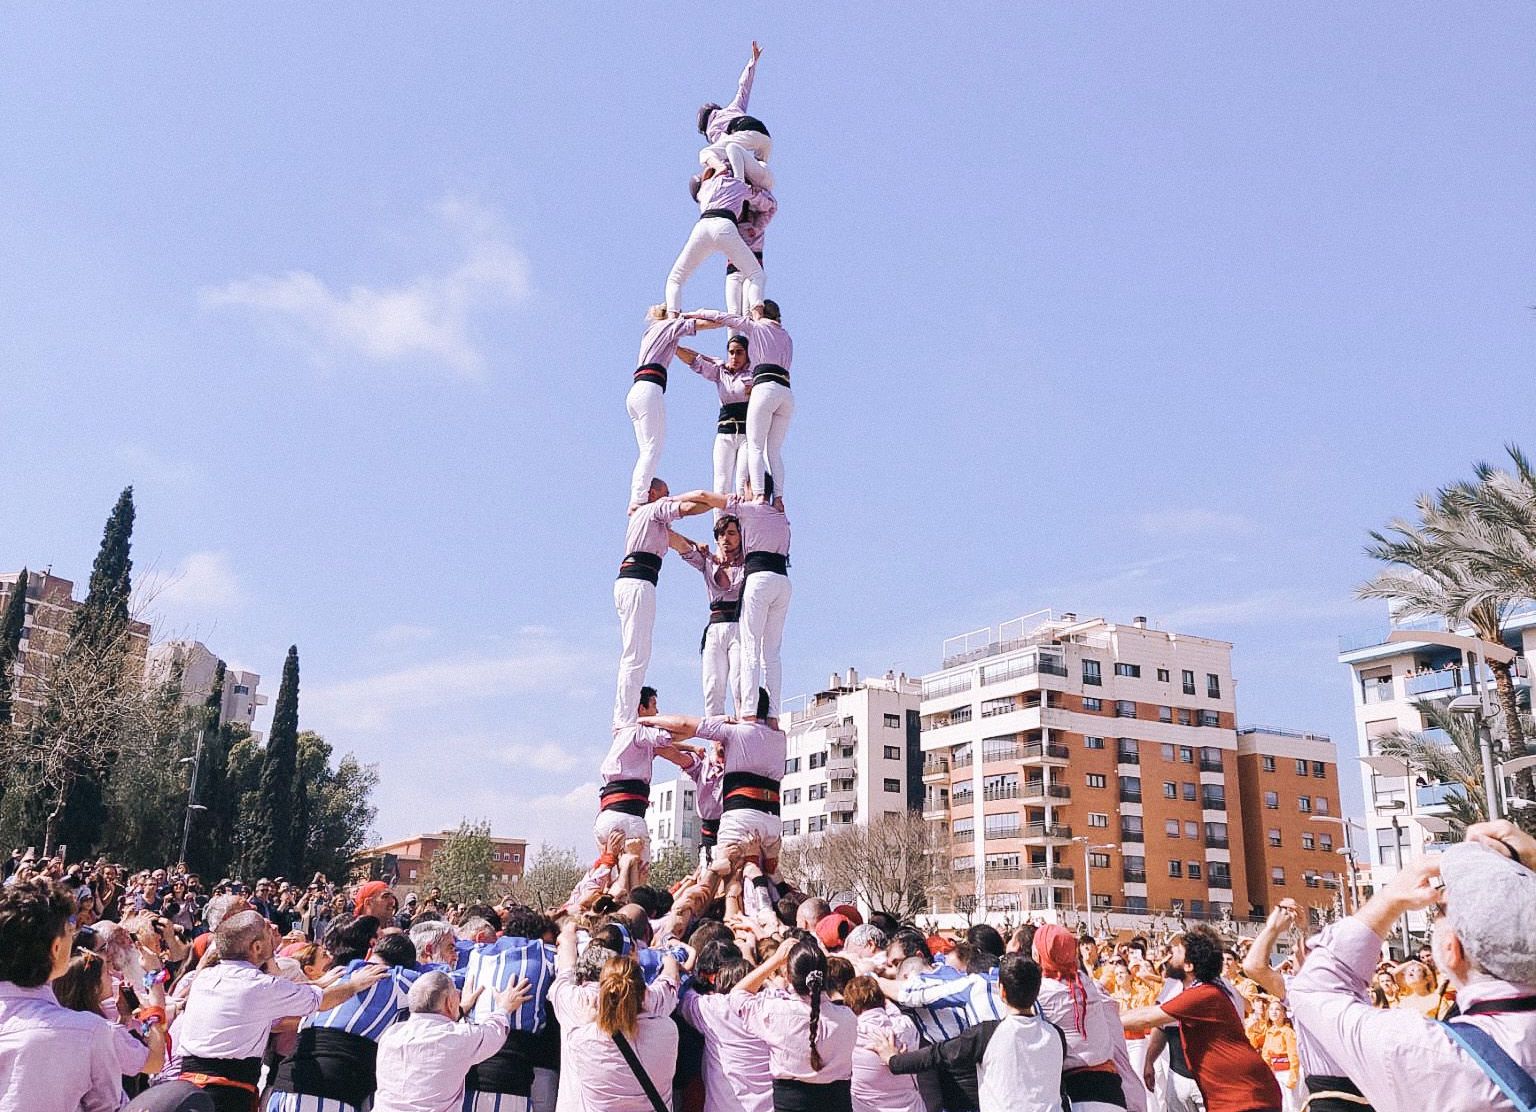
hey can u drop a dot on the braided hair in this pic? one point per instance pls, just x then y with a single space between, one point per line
808 977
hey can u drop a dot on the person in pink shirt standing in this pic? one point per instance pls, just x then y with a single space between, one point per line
736 1069
721 643
733 381
646 401
772 403
722 199
761 208
876 1088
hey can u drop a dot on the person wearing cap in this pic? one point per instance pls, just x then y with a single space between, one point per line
408 911
1483 902
733 382
378 899
723 198
720 647
646 402
833 930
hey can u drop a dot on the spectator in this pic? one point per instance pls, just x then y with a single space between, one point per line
377 899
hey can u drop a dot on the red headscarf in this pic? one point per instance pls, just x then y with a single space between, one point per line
366 893
1056 951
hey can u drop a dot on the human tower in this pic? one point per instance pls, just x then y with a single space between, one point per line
734 762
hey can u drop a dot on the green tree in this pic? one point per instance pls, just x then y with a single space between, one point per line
11 624
671 865
461 867
273 850
549 877
337 809
1459 763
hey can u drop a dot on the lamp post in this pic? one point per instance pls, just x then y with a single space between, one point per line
1088 871
1352 887
196 761
1394 806
1471 707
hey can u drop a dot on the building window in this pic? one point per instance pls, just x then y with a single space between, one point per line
816 791
1274 837
791 765
1189 682
1093 743
413 874
1213 797
1308 842
1166 752
1098 860
1092 673
1210 719
1162 675
1136 905
1191 828
1212 685
1309 878
893 752
1170 790
1301 767
1193 869
1186 754
1325 842
1186 718
817 760
1165 714
1090 703
1277 875
1272 800
1321 803
1130 671
1171 828
893 721
892 785
1319 770
1304 804
1125 708
792 826
1097 820
1097 780
1267 763
1175 868
1130 789
792 795
1190 792
1126 751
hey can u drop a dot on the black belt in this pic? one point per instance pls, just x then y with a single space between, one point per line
732 419
730 268
770 372
725 214
766 561
709 831
745 791
244 1071
641 565
1332 1094
790 1095
330 1063
509 1070
1093 1085
724 610
653 372
746 123
628 797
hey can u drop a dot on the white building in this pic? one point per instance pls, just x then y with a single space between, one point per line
852 753
198 666
673 816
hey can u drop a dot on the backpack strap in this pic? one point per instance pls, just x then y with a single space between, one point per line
1512 1080
633 1061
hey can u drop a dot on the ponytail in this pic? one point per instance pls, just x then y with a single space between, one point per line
807 967
813 982
620 991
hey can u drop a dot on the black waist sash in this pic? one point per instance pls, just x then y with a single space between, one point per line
641 565
1327 1083
770 372
732 419
628 797
247 1071
509 1070
740 790
724 610
766 561
330 1063
790 1095
725 214
1093 1085
709 832
653 372
746 123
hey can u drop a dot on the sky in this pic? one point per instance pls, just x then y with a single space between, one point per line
1121 310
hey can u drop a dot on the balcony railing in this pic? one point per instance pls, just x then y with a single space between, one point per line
1139 876
1004 833
1208 764
1132 836
936 766
1219 882
962 762
1127 756
1000 753
1001 793
1214 842
1048 872
1130 795
957 836
1036 789
1035 750
1003 872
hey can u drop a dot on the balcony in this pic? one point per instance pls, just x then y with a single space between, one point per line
1139 876
1130 795
1000 753
1047 874
1046 833
1208 764
991 794
1376 693
1044 752
963 798
1219 882
957 763
935 768
1003 872
1006 833
935 809
1214 842
1132 836
959 837
1039 792
1127 757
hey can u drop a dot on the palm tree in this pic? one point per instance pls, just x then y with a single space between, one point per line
1460 763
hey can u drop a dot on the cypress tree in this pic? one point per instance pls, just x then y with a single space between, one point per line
103 616
11 623
272 851
209 770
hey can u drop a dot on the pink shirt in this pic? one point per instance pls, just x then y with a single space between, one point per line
731 385
738 106
659 343
232 1007
1402 1061
604 1080
632 753
1095 1043
53 1059
708 777
422 1061
767 342
752 747
763 528
761 206
722 191
647 528
722 582
132 1055
736 1077
875 1087
784 1023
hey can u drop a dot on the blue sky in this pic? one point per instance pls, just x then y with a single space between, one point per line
1122 310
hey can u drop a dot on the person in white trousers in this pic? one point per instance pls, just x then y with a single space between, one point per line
721 644
722 201
646 540
646 401
753 226
733 381
772 403
740 140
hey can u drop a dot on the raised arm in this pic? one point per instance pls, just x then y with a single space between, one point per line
565 949
744 83
1256 965
755 980
680 726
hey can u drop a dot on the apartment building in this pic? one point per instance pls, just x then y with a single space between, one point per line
1295 837
50 610
673 816
1066 756
408 861
852 753
1390 680
198 666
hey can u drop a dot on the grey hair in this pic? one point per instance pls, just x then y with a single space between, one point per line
429 993
866 935
473 926
236 933
429 935
218 908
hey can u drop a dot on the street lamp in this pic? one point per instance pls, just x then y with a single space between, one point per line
1395 806
1088 871
1471 706
1353 887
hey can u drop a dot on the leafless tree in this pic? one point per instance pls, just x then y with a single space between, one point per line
893 863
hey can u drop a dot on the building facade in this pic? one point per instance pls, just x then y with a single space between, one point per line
1293 820
853 753
199 665
1065 756
673 816
409 860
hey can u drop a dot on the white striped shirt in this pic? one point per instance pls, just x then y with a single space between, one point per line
495 965
945 1003
371 1011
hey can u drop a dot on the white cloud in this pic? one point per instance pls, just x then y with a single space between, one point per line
428 316
404 633
545 756
1167 523
203 581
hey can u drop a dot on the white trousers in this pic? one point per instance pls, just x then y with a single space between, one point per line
635 600
711 236
754 833
647 406
768 412
730 463
746 153
631 826
764 607
722 664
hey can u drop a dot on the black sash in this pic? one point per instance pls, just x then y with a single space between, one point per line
735 781
770 372
330 1063
628 797
641 565
766 561
732 419
247 1071
726 214
653 372
709 832
509 1070
724 610
746 123
790 1095
1093 1085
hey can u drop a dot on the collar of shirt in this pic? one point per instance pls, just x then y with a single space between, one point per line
1489 990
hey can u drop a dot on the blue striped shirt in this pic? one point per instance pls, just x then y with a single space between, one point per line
495 965
372 1010
946 1002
